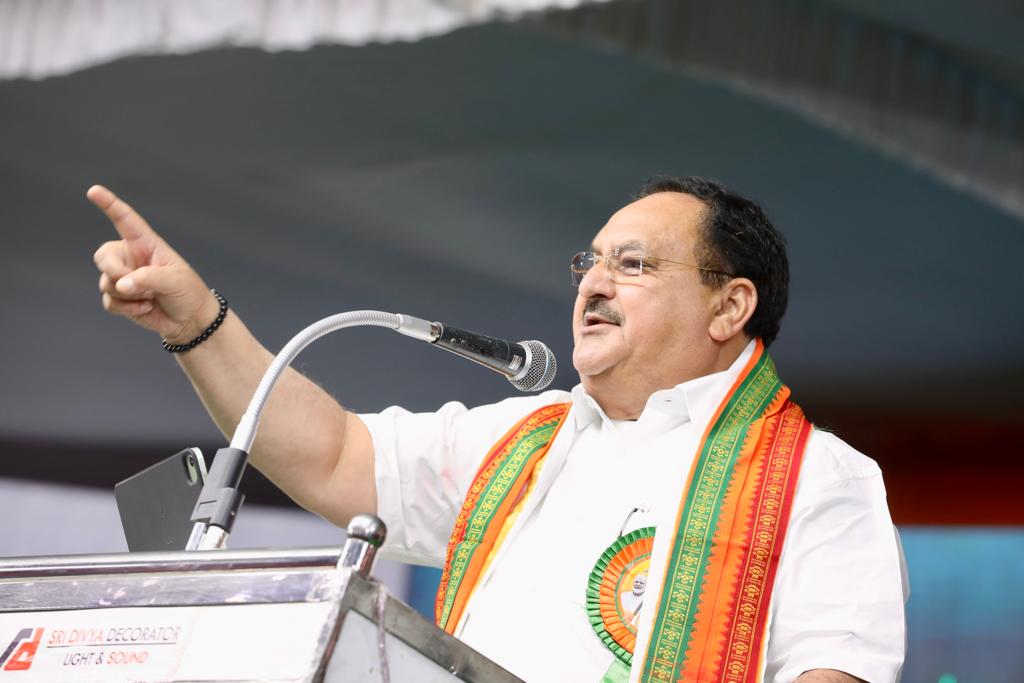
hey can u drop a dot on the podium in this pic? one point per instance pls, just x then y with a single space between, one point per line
279 615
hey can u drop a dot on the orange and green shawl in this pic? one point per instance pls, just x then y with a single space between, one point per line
713 602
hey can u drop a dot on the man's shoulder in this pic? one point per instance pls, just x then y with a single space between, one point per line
834 475
512 406
829 459
516 407
532 402
467 423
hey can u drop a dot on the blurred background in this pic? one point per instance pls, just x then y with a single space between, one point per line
445 158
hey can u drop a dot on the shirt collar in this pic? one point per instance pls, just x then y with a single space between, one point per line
694 400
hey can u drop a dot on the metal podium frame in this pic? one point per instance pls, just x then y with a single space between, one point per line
288 615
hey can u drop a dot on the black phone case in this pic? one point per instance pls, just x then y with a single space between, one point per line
156 504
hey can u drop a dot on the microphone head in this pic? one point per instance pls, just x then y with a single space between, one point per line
538 370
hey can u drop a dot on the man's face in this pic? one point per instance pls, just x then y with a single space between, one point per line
650 331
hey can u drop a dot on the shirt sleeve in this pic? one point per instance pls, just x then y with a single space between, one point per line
840 591
424 464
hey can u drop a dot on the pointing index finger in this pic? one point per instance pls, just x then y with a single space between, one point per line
129 224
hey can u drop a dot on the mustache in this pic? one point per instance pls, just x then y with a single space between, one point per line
600 307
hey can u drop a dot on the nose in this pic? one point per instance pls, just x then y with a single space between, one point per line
597 282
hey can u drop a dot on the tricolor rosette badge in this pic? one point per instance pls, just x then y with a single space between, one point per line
616 591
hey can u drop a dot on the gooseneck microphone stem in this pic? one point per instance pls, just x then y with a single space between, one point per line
245 432
220 500
530 366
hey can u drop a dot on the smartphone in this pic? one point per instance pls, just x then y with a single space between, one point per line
156 504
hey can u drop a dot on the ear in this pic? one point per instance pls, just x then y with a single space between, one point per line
734 303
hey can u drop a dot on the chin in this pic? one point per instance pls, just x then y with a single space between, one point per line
591 364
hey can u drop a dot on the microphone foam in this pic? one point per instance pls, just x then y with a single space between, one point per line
540 367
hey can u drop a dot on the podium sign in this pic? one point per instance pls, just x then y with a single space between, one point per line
217 616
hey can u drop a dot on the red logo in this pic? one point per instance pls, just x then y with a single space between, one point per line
19 654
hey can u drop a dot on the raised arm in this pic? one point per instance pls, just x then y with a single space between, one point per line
307 444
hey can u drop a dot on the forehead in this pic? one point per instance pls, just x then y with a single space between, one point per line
663 224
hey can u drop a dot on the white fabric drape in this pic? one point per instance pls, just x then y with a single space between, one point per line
40 38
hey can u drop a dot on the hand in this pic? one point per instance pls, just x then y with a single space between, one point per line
145 280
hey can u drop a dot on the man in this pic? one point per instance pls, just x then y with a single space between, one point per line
679 416
633 600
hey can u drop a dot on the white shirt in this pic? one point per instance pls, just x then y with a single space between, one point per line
839 594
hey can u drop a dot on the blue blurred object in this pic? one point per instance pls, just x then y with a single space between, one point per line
423 588
965 617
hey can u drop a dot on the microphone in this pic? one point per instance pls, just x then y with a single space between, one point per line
528 365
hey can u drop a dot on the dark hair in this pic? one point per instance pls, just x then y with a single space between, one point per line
737 238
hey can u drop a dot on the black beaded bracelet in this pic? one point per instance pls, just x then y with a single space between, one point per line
221 314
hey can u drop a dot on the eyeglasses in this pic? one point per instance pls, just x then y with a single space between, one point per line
622 266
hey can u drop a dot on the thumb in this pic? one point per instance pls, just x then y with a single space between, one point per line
150 280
